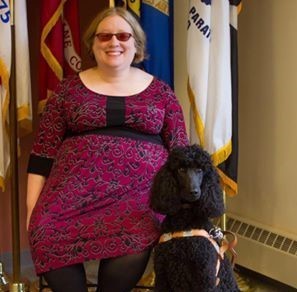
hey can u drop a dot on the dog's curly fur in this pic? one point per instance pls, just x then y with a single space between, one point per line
187 190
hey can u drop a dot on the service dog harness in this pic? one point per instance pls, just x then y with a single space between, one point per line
225 245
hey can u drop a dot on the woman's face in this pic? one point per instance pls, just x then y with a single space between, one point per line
114 53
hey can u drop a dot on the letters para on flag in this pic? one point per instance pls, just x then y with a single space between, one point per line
59 45
156 18
23 81
212 83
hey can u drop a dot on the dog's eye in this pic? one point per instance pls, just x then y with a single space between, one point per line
198 171
181 169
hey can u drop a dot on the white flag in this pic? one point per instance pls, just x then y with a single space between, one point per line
209 69
5 62
211 74
23 79
23 82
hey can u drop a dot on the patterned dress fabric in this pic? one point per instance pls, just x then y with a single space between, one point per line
94 203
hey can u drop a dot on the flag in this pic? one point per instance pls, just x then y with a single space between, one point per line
23 77
156 18
59 45
23 81
5 62
132 5
212 83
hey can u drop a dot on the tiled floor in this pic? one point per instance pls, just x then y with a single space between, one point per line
248 281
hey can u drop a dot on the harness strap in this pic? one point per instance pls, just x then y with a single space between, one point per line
226 245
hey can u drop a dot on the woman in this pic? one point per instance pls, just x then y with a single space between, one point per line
102 137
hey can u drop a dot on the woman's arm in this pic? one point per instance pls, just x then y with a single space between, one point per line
34 187
49 137
174 129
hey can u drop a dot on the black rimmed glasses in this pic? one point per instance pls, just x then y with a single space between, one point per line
121 36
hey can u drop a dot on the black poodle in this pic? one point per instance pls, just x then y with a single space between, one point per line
189 256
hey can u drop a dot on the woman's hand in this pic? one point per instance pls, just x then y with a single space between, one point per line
34 187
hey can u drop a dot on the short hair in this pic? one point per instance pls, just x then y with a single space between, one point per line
138 33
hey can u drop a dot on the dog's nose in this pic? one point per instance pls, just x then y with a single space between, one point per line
195 194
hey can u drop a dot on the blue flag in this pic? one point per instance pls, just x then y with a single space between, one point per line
156 19
157 22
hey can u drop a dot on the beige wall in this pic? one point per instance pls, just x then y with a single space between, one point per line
267 110
268 114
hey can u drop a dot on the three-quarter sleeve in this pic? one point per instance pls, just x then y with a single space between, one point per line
174 129
50 134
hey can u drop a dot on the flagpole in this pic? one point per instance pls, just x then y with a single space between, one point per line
224 216
16 285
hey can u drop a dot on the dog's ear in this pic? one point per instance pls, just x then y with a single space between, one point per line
164 192
212 196
213 202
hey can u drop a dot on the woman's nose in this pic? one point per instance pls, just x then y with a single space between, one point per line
114 40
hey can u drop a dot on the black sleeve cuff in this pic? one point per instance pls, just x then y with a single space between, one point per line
40 165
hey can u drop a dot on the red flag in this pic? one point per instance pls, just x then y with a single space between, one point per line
59 45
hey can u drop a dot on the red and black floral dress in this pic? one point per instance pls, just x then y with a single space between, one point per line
99 154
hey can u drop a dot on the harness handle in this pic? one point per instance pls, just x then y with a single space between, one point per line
228 245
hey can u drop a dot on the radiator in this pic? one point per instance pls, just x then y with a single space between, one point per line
260 248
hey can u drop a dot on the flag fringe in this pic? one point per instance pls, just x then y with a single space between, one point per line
23 112
219 156
111 3
25 124
46 52
5 81
197 120
134 6
41 105
223 153
2 183
239 7
4 74
229 185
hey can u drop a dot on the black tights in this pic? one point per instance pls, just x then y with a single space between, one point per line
114 275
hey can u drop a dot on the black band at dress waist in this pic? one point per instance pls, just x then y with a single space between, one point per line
119 132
